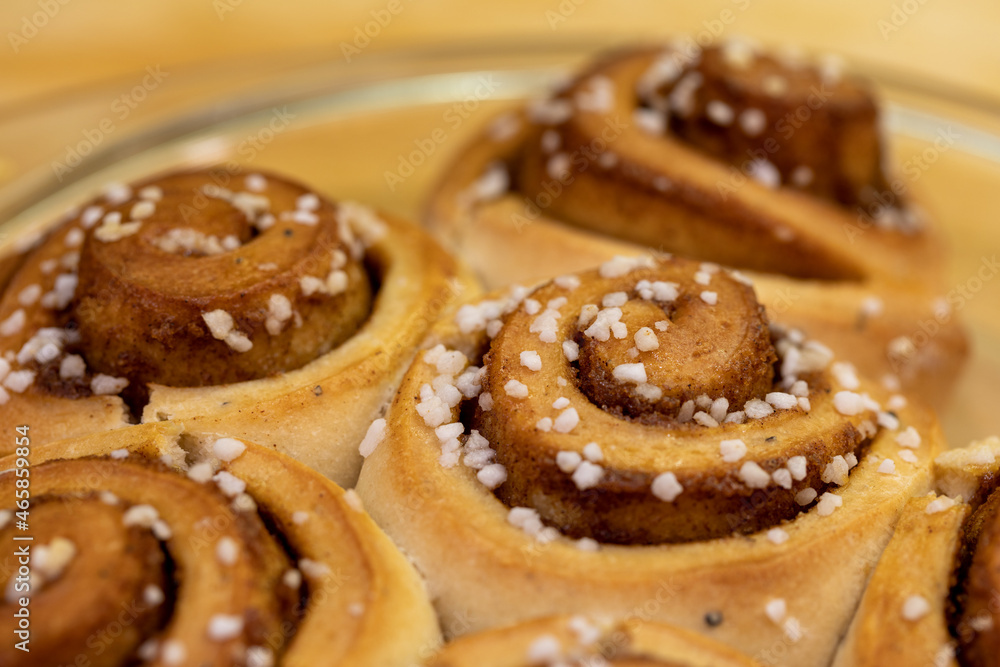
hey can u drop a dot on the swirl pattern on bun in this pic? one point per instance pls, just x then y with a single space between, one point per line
226 553
246 303
643 431
730 154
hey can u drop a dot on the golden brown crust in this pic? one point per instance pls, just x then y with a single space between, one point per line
902 617
141 301
588 182
578 640
289 332
715 357
250 587
320 412
489 565
737 365
931 600
830 140
84 600
971 472
226 561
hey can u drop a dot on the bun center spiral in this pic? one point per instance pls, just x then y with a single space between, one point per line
217 285
797 123
651 401
671 345
122 534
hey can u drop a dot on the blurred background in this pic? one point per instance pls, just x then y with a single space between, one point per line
94 89
69 66
60 44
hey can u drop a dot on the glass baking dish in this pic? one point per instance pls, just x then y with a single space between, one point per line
381 129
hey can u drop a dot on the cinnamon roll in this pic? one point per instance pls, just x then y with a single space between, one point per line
245 304
729 154
933 599
642 436
573 641
223 553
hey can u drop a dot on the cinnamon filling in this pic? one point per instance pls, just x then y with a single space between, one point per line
133 535
652 407
182 282
799 124
84 572
705 351
976 598
677 150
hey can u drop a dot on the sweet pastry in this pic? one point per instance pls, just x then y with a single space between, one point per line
576 641
643 432
933 597
223 553
240 304
762 162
